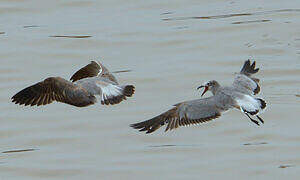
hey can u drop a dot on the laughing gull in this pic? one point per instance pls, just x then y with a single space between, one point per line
239 95
89 81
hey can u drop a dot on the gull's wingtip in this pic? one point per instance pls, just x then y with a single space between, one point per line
249 68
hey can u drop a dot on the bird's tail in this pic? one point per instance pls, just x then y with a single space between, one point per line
114 94
251 105
128 90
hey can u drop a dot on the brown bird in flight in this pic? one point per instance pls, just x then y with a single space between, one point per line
89 81
239 95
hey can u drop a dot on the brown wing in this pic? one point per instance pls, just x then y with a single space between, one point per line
94 69
183 114
89 70
53 89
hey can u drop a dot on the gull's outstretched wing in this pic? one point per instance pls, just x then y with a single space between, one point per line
93 69
90 70
54 89
185 113
243 81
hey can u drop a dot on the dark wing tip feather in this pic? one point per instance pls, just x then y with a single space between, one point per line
155 123
129 90
31 95
150 125
249 68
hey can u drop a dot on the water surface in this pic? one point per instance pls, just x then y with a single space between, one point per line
168 59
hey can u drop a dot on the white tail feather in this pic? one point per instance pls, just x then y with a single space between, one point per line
250 104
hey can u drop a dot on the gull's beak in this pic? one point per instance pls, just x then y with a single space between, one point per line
205 89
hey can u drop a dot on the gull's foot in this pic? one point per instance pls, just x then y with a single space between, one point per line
260 119
256 122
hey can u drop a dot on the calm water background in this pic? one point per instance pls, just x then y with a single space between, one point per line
170 52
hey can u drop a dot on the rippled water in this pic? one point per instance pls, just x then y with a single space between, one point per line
171 47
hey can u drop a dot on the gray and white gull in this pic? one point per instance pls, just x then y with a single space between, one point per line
89 81
239 95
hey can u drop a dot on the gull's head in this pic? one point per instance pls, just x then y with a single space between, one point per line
210 85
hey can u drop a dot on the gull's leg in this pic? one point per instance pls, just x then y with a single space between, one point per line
253 120
261 120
